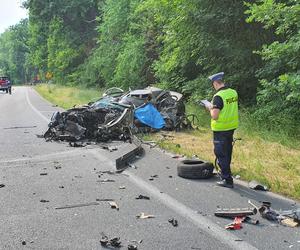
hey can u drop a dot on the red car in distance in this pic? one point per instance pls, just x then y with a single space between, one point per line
5 84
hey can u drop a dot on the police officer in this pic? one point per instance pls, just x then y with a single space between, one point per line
224 120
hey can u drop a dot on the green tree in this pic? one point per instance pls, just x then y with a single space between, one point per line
279 95
14 52
73 24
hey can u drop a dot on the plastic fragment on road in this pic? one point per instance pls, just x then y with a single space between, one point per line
150 116
289 218
174 222
145 216
132 247
236 224
113 205
142 197
289 222
79 205
106 180
43 201
257 186
132 166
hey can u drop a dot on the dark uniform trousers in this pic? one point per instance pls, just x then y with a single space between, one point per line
223 151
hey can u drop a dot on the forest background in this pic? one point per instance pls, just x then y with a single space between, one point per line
175 44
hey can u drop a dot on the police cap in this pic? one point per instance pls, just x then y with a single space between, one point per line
216 77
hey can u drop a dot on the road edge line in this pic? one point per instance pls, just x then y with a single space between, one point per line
201 222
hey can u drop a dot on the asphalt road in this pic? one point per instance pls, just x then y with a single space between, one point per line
72 177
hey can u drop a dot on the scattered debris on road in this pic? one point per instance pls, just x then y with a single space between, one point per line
106 180
132 247
78 144
43 174
289 222
145 216
122 187
132 166
2 185
174 222
235 212
24 243
79 205
257 186
43 201
114 205
113 242
105 199
239 215
142 197
236 224
110 149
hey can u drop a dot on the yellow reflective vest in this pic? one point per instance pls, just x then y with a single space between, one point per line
228 117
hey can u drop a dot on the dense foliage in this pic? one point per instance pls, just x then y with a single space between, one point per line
279 93
174 43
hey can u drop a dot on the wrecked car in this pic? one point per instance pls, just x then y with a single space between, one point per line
168 103
99 124
113 116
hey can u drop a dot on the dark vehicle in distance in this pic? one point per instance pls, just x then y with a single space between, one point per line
5 84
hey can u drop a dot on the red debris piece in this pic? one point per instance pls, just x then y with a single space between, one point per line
236 224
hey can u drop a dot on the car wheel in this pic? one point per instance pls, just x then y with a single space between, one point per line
195 169
9 91
6 90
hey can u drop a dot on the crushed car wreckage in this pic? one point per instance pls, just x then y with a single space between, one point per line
113 117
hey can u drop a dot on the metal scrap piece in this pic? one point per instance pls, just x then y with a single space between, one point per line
123 161
142 197
145 216
236 212
79 205
106 180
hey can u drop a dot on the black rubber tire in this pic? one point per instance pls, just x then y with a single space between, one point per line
6 90
9 90
195 169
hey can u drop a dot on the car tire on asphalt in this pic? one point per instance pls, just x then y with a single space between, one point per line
195 169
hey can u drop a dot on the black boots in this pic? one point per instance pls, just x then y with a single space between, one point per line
225 183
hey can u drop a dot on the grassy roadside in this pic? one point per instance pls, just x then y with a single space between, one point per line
67 97
266 156
269 157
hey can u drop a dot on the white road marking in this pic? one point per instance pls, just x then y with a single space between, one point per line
46 156
34 108
201 222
